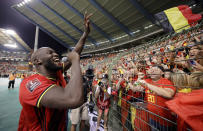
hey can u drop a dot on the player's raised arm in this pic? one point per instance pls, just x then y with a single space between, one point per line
79 46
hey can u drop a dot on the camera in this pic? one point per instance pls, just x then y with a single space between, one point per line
192 62
90 72
91 104
87 83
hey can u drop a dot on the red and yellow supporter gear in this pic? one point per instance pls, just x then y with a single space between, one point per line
177 18
141 116
189 114
102 102
156 104
126 95
114 92
141 120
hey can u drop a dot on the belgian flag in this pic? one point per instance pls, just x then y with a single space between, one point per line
177 18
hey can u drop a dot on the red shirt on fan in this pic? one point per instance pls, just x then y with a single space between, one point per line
126 93
136 94
33 117
156 103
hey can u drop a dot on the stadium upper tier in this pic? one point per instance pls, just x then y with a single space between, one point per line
13 56
114 23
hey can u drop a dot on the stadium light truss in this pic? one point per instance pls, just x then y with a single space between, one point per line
23 3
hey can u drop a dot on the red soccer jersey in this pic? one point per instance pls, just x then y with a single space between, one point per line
33 117
156 103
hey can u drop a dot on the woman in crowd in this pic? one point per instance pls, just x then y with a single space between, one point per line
102 95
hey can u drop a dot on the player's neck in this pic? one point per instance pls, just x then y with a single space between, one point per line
47 74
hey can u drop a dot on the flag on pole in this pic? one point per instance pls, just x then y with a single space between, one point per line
177 18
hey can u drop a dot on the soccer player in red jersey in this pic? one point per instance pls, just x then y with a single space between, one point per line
44 96
158 91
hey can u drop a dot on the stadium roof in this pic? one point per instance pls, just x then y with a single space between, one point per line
10 39
112 19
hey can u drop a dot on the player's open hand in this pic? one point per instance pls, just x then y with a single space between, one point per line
87 22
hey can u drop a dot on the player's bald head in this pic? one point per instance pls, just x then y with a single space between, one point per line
38 53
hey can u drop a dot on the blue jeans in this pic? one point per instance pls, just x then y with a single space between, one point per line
157 126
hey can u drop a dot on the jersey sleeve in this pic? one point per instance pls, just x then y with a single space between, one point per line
32 91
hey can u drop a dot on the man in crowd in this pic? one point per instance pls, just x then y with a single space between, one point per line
80 114
11 80
45 96
158 91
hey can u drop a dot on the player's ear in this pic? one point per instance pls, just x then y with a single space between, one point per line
37 61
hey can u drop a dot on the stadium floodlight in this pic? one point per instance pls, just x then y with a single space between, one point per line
10 32
11 45
26 1
23 3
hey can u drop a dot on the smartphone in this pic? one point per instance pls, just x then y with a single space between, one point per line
192 62
121 75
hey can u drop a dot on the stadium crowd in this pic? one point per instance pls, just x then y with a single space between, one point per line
149 81
18 68
13 62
